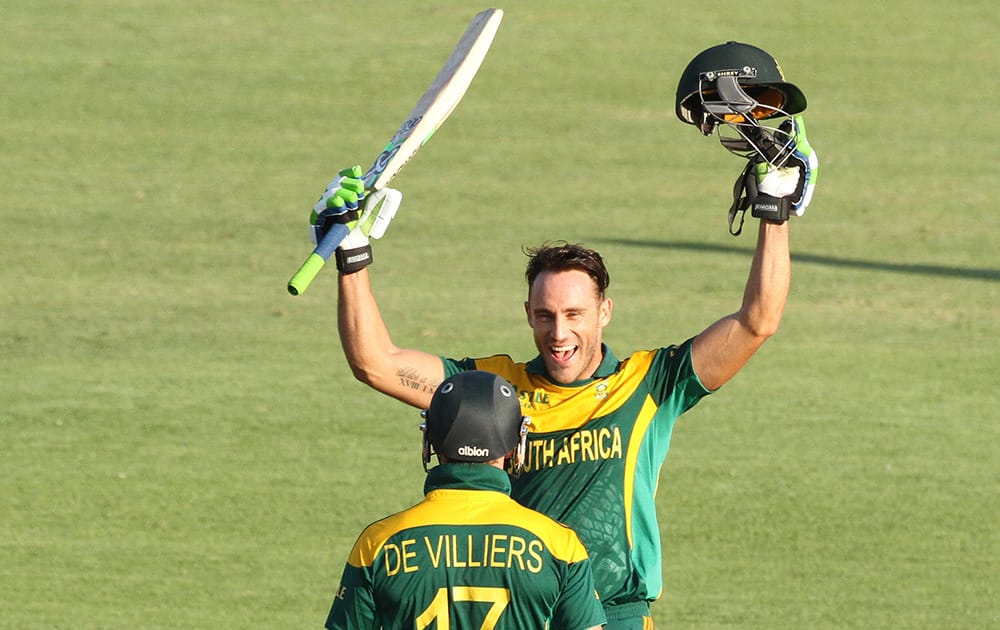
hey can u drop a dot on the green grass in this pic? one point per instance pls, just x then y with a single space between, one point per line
182 444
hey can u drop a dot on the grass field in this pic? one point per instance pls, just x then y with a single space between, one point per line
183 446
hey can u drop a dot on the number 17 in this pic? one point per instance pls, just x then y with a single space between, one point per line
438 608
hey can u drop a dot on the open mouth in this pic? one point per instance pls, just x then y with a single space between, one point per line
562 354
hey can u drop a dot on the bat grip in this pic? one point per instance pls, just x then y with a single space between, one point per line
304 276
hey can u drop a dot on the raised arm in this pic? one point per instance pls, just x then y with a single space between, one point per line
719 352
407 375
777 193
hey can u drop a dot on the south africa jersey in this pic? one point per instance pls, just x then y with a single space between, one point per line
467 556
595 450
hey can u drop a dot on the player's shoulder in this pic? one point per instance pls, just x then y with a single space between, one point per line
560 539
502 364
374 537
517 372
497 361
671 352
637 363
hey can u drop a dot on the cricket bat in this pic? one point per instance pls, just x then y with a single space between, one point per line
430 112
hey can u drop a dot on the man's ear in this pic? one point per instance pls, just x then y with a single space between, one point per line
605 312
527 313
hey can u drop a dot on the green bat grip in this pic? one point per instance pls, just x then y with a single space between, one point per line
300 281
304 276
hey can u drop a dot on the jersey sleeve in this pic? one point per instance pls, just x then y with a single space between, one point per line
578 606
354 602
454 366
671 378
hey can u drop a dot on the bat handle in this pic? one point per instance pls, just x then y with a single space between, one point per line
304 276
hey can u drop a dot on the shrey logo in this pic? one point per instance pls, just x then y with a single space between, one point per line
474 451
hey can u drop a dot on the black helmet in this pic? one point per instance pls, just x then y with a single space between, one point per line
724 82
474 416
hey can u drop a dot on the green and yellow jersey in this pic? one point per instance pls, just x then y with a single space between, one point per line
467 556
594 456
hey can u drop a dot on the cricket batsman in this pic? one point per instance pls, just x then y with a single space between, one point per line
601 424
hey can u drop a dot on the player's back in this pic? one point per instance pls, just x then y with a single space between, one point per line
473 557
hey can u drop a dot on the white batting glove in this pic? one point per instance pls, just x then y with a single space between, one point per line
380 210
797 179
345 202
354 252
778 181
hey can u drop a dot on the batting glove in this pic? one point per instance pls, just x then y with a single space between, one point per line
788 187
775 193
345 202
338 202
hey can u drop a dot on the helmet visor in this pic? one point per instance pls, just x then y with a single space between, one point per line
737 108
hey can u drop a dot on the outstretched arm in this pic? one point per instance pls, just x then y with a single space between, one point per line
719 352
723 348
407 375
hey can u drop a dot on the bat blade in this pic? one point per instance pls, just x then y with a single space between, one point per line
439 101
430 112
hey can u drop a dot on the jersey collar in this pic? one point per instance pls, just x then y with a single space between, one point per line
457 476
608 366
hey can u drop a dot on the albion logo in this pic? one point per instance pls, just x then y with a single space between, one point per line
474 451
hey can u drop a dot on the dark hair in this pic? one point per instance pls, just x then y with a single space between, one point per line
563 256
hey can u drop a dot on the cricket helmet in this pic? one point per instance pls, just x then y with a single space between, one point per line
475 416
734 83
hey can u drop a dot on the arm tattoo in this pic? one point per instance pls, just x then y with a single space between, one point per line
412 378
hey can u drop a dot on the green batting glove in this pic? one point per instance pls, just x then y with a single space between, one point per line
338 204
346 202
796 179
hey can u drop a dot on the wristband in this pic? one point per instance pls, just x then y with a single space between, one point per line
770 208
353 260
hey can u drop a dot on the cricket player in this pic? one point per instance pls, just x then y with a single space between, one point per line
468 556
601 423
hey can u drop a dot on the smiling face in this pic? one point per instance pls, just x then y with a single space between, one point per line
567 315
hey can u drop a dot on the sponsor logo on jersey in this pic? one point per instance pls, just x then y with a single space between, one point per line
537 399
